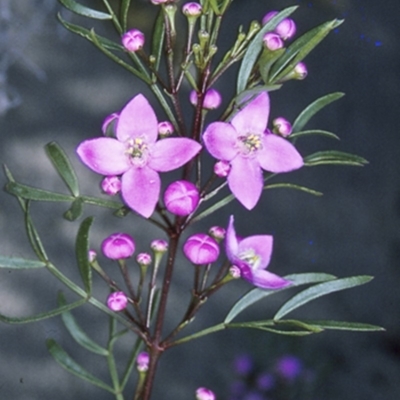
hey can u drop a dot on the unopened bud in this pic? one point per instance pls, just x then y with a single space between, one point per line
282 126
143 259
217 232
133 40
92 255
204 394
212 99
142 361
118 246
234 272
192 9
181 198
222 169
201 249
117 301
165 128
159 246
272 41
111 185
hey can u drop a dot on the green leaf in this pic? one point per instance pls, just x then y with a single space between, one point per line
20 263
124 13
75 211
347 326
83 10
62 357
42 316
314 132
158 38
33 235
82 253
255 48
31 193
320 290
63 166
334 157
293 186
300 48
256 295
313 109
76 331
259 325
244 97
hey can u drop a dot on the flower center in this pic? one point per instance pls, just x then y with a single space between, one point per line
250 258
249 144
138 151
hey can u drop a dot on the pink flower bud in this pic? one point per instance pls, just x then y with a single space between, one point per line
142 361
118 246
222 169
301 71
181 198
159 246
201 249
92 255
143 259
286 29
204 394
157 2
217 232
212 99
234 272
111 185
108 124
165 128
192 9
117 301
272 41
282 126
267 17
133 40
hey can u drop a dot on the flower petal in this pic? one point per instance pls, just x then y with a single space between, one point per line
140 188
104 155
262 247
253 117
171 153
278 155
245 180
231 241
220 140
265 279
137 119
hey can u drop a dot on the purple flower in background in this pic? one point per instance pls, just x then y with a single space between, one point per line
289 367
137 155
249 148
252 255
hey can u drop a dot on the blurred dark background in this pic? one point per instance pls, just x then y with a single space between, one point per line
57 86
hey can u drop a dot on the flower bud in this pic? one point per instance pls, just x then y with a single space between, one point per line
92 255
235 272
222 169
157 2
212 99
181 198
288 367
286 29
111 185
217 232
109 123
192 9
300 71
117 301
267 17
133 40
142 361
165 128
204 394
144 259
159 246
118 246
282 126
272 41
201 249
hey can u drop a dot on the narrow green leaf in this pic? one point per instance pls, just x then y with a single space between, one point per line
42 316
76 331
158 38
293 186
320 290
124 13
62 357
83 10
334 157
75 211
82 253
214 6
261 327
245 96
20 263
299 324
256 295
314 132
255 47
347 326
313 109
31 193
33 235
63 166
300 48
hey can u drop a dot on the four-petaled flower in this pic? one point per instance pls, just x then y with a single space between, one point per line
252 255
246 144
137 155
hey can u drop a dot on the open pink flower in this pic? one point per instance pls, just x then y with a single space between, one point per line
137 155
246 144
252 255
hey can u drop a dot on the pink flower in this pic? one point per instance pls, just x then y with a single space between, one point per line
252 255
249 148
201 249
137 155
117 301
118 246
133 40
181 198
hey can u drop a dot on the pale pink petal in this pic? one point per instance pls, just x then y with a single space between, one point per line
231 241
220 140
253 117
171 153
245 181
266 280
137 119
141 189
278 155
104 155
262 247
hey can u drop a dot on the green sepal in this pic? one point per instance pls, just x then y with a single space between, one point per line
299 49
76 331
82 254
63 166
20 263
322 289
333 157
62 357
158 38
313 109
75 211
84 11
30 193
